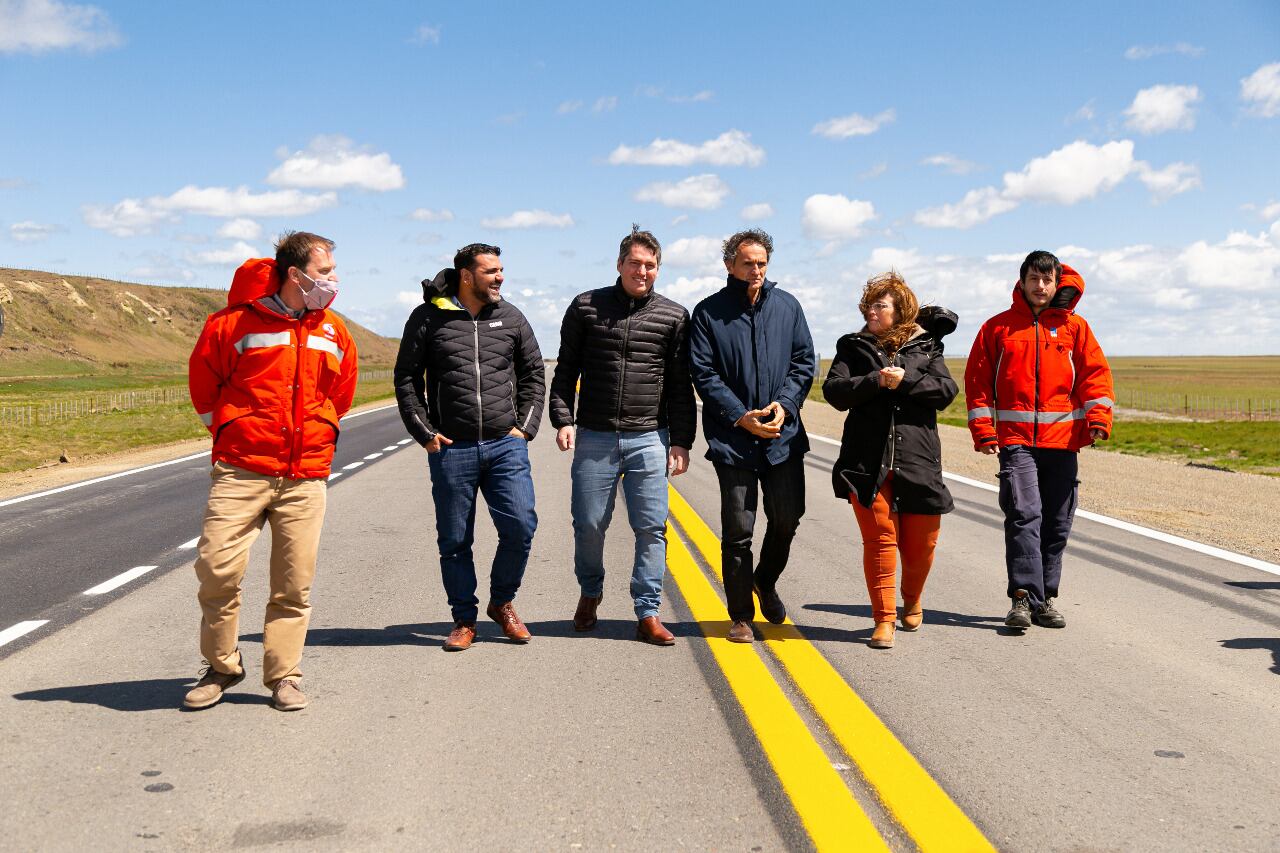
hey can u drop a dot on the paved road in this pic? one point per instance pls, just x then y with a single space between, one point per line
1151 722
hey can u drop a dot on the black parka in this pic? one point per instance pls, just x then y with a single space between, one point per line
893 430
483 374
632 357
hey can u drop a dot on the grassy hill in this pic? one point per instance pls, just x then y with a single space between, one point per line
59 325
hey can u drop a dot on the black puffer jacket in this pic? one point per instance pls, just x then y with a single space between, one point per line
893 430
484 375
633 358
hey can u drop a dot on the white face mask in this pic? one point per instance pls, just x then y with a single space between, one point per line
321 295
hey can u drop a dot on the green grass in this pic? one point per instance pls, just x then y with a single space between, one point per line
1252 446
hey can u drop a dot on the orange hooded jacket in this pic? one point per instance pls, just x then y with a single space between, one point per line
1038 381
270 388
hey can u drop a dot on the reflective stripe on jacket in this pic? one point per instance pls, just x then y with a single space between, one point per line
1040 381
268 387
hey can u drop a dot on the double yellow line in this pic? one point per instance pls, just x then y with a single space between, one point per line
826 806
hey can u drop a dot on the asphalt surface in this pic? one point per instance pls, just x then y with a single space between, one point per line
1150 723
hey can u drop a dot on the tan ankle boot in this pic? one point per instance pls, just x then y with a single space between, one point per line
912 615
882 637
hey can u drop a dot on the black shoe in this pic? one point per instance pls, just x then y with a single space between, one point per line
1019 617
771 607
1048 616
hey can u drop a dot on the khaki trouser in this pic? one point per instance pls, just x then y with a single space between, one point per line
240 502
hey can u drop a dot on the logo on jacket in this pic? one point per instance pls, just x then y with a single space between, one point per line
495 324
329 330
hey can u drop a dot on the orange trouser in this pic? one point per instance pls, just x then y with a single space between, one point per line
884 535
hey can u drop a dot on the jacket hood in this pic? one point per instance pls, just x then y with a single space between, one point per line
254 279
937 321
1070 289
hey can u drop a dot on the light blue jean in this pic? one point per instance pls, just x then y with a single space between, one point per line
639 459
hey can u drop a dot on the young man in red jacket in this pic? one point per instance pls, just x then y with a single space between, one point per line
1038 389
270 376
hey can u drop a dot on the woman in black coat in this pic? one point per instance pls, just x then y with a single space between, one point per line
892 380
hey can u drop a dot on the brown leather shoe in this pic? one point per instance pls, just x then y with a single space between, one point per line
912 615
740 632
460 637
882 637
651 631
209 689
584 618
511 625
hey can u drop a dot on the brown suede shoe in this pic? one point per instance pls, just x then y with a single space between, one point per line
650 630
584 618
740 632
460 637
912 615
511 625
209 689
882 637
288 696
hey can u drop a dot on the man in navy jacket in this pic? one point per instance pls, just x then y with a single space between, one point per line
752 361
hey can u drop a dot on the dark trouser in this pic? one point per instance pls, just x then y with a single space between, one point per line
783 486
1038 495
498 469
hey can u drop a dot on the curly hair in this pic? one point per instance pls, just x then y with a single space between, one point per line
752 235
905 308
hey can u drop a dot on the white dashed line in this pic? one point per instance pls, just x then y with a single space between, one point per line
351 466
187 546
402 442
373 456
8 635
119 580
335 475
390 447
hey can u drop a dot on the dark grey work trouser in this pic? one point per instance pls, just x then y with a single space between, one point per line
1038 495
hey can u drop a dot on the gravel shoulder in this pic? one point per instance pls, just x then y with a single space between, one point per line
1230 510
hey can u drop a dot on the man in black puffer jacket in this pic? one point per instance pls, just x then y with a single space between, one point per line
475 413
635 421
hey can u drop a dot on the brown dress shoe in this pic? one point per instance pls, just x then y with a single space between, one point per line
584 618
882 637
651 631
912 615
505 615
740 632
460 637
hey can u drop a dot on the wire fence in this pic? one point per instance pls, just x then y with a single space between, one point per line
114 401
1199 407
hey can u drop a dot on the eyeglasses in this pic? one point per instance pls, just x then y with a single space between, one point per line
879 306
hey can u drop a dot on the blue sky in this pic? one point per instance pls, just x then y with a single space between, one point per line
164 143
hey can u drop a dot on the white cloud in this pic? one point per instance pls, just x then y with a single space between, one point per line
408 298
977 206
1174 179
605 104
1240 262
426 214
951 163
1085 113
132 216
731 148
700 192
1261 91
1146 51
853 125
874 172
127 218
32 232
35 26
703 254
695 98
241 229
567 107
230 256
528 219
1162 108
426 34
334 162
1072 173
690 291
676 220
1271 211
760 210
835 217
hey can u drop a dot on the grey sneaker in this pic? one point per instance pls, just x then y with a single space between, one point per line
1019 617
1048 616
209 689
288 695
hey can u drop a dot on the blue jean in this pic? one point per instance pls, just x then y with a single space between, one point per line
1038 488
639 459
499 469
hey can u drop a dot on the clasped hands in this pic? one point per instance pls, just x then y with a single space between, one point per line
764 423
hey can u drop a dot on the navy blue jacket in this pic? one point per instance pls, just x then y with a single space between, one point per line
744 356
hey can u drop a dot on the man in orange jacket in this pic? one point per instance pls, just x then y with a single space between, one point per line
1038 389
270 376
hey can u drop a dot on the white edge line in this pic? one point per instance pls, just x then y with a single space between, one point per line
8 635
390 447
83 483
402 442
335 475
119 580
352 466
187 546
374 456
1160 536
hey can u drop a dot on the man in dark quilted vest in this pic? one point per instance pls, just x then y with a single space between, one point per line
622 401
